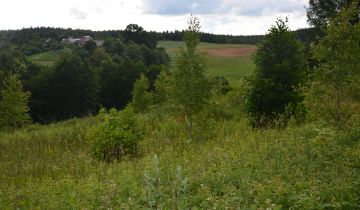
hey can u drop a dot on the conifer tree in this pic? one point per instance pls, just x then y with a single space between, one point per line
13 104
280 72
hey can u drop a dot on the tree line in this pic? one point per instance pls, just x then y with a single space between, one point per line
82 79
31 41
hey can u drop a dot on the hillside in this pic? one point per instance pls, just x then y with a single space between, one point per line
121 120
228 167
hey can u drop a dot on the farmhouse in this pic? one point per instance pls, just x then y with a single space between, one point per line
81 41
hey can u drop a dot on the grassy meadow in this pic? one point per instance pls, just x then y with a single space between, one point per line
45 58
227 164
233 66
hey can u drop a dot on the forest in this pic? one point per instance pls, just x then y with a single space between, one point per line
183 119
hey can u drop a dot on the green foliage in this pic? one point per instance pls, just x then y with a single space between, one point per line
117 82
90 46
78 85
13 104
336 78
11 60
162 87
141 97
220 85
190 86
320 12
116 136
301 167
136 33
192 35
275 87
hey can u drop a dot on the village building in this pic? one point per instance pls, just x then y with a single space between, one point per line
81 41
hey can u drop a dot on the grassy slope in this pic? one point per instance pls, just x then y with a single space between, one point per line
45 58
232 68
301 167
50 167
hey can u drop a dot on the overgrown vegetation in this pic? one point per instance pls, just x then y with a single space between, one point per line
141 157
274 91
116 136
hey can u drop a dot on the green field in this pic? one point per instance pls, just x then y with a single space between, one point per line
45 58
233 68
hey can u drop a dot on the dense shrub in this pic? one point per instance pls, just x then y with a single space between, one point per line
275 89
116 136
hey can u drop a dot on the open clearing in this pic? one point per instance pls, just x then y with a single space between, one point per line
233 61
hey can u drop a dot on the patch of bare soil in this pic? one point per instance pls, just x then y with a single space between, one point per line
230 52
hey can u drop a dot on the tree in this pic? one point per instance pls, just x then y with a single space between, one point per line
117 81
13 104
141 97
162 87
90 46
137 34
190 86
320 12
11 60
280 71
338 54
74 88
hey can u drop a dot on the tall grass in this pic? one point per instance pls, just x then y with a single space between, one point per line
300 167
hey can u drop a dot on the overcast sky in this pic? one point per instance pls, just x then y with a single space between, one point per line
237 17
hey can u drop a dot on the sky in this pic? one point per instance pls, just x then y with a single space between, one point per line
236 17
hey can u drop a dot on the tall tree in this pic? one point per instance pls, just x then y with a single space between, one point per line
190 86
320 12
117 81
13 104
74 88
280 70
338 54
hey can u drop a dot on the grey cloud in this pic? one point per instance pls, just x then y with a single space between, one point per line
78 14
239 7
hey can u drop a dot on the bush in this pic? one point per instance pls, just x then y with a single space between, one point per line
275 89
116 136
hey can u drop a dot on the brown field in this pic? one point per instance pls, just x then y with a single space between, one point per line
230 52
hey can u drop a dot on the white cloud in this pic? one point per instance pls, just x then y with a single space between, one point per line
77 13
223 16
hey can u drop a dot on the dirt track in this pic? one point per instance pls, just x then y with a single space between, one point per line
230 52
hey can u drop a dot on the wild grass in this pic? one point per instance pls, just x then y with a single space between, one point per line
300 167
